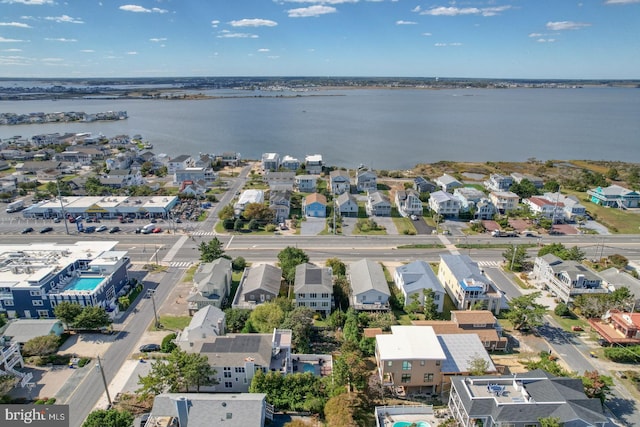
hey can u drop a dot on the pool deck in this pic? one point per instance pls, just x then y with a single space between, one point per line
387 416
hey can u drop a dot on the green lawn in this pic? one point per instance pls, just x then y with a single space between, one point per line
403 224
617 220
174 323
567 322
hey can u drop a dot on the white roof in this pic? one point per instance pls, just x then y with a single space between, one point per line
409 343
313 158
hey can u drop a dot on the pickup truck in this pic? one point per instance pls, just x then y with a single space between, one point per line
501 233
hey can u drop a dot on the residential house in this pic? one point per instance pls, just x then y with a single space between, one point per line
120 160
270 161
566 279
414 360
369 288
340 181
306 183
259 283
290 163
408 203
546 208
468 196
522 400
315 205
479 322
192 188
447 183
280 204
313 288
211 284
22 330
378 204
422 185
247 197
366 181
40 165
618 328
615 196
121 178
519 177
467 286
443 203
572 208
280 181
208 322
484 209
230 158
200 409
504 201
204 161
314 164
414 279
10 359
347 205
8 184
181 162
613 279
498 182
205 174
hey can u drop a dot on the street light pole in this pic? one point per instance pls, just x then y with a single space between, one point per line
64 217
104 381
152 293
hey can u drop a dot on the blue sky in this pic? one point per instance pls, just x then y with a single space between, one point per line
556 39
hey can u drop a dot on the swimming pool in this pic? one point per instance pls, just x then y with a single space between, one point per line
407 424
84 283
308 367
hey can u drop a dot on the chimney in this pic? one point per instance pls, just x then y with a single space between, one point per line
182 408
220 327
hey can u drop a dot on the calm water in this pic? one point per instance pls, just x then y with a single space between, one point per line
387 129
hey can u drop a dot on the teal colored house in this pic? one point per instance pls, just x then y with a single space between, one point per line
615 196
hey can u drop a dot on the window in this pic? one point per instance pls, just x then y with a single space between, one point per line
325 295
227 374
312 304
228 384
428 378
240 370
8 302
390 363
437 363
44 314
37 302
422 362
406 378
226 368
436 297
313 295
35 293
325 304
406 365
301 295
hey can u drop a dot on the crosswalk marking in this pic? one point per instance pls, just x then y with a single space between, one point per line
488 264
202 233
180 264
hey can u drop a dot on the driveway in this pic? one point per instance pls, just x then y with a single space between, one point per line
312 226
387 223
422 227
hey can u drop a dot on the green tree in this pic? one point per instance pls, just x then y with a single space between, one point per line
613 174
430 308
168 345
524 189
338 267
550 422
341 289
226 212
41 346
211 251
562 310
524 312
340 410
559 250
551 186
260 212
478 366
350 369
239 264
300 321
179 372
351 330
289 258
108 417
414 305
266 317
515 257
596 385
92 317
236 318
67 312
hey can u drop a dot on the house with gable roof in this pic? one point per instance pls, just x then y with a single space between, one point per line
211 284
615 196
347 205
408 203
369 288
340 181
447 183
566 278
378 204
206 323
259 283
315 205
313 288
416 277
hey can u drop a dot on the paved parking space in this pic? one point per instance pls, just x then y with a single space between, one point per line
312 226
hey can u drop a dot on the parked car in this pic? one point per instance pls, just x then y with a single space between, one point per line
577 328
179 221
138 230
153 221
46 230
114 229
149 348
27 230
157 230
56 220
90 229
101 228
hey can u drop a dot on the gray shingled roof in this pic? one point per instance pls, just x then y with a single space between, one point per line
207 409
366 275
311 278
263 276
22 330
235 349
210 276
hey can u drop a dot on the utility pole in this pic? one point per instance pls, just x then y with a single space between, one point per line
151 293
513 258
64 216
104 381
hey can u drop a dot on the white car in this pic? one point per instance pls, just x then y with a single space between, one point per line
102 228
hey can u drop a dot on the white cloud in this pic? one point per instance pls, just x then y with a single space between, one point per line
546 40
12 50
139 9
229 35
322 1
61 39
447 44
264 50
215 23
51 59
566 25
536 35
253 23
5 40
427 34
405 22
416 9
14 24
621 1
133 52
64 18
87 50
29 2
158 39
455 11
306 12
273 57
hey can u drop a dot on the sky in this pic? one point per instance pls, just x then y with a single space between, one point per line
528 39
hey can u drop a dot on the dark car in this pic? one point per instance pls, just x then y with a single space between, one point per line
114 230
46 230
90 229
149 348
179 221
27 230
